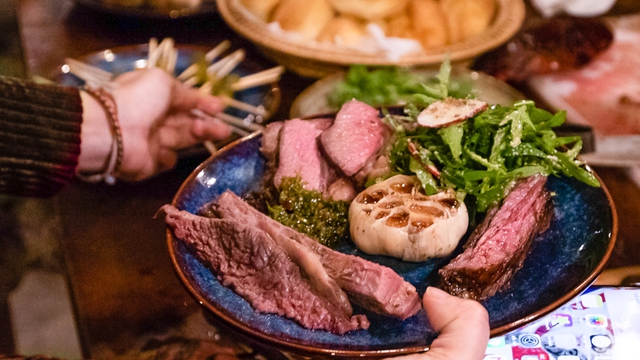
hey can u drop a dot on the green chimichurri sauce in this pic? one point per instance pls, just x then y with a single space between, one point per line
309 212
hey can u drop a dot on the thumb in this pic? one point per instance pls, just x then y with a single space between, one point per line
462 324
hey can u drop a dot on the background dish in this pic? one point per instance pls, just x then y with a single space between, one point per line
123 59
317 60
563 262
146 11
313 100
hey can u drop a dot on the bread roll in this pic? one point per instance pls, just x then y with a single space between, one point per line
400 26
466 18
306 17
261 8
343 30
370 9
429 24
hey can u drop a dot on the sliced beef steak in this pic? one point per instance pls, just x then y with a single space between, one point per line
498 246
370 285
270 142
250 262
356 135
299 154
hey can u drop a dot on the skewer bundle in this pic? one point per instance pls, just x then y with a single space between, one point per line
213 76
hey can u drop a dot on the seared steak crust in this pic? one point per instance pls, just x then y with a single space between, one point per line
498 246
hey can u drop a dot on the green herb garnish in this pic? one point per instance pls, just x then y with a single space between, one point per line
309 212
392 85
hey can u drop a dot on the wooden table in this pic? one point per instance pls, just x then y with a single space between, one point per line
127 297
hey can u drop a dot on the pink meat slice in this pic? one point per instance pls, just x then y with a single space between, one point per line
375 287
355 136
299 154
270 142
497 248
250 262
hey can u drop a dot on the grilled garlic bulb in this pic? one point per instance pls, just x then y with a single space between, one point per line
396 218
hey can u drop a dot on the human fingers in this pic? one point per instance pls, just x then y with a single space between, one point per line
462 324
186 99
210 129
184 130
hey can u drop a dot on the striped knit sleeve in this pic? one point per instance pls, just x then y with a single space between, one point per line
39 137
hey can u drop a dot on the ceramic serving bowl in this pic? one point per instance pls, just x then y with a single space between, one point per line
315 59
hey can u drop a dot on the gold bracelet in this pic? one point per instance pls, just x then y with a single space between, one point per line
115 156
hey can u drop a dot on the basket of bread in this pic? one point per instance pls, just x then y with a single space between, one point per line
315 38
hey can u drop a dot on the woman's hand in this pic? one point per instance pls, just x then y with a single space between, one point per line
157 119
463 327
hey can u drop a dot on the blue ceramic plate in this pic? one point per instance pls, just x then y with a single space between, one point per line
563 261
123 59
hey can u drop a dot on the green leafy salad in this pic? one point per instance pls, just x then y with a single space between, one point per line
481 156
390 85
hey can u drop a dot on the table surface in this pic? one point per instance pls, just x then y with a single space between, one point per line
127 298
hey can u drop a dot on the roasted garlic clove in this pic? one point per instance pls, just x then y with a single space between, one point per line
396 218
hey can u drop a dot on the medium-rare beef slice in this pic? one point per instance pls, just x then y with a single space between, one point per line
270 142
498 246
299 154
356 135
375 287
247 260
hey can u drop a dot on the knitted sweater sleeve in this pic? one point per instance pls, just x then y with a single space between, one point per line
39 137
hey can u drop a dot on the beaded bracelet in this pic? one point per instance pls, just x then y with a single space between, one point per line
115 156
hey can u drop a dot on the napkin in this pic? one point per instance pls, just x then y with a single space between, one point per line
580 8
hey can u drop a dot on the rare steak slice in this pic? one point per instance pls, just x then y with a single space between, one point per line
498 246
356 135
299 154
250 262
375 287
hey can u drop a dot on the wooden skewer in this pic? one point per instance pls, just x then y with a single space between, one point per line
256 110
211 147
257 79
239 123
159 54
206 87
173 60
192 81
239 131
234 128
234 58
216 51
152 57
168 55
188 72
89 78
230 65
153 44
41 80
95 72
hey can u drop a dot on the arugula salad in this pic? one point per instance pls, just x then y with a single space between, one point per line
480 157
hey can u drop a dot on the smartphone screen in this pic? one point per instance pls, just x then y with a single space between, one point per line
603 323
